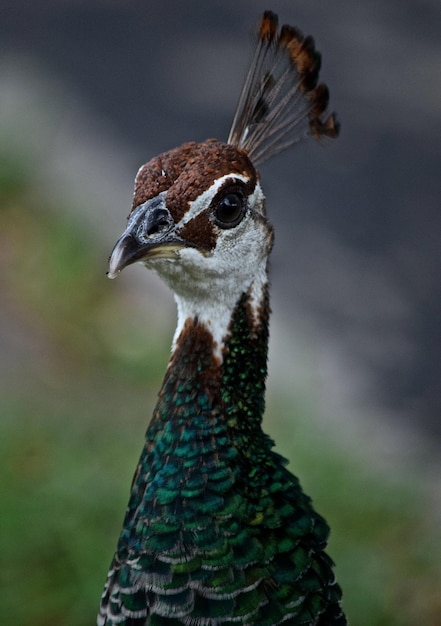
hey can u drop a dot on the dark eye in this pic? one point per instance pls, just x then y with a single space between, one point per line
229 210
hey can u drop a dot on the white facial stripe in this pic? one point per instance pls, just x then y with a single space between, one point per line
257 199
138 173
203 201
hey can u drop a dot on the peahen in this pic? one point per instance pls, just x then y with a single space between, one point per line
217 531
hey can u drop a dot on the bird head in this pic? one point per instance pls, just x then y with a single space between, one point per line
198 217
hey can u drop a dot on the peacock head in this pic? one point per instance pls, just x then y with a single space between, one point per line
198 217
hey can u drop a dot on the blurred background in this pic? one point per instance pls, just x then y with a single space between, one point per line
91 90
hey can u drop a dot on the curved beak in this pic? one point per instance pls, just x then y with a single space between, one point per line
150 233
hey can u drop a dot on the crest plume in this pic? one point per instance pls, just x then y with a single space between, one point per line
280 102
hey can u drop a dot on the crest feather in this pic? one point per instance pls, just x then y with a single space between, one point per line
280 102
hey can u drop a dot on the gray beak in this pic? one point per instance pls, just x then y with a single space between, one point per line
150 233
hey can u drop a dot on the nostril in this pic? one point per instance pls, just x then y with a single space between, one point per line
158 221
159 226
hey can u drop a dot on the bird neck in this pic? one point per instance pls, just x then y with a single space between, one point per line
212 302
217 378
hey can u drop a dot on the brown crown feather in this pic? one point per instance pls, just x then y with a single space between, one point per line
187 171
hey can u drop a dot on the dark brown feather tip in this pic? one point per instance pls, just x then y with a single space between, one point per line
303 55
329 127
307 62
319 100
287 34
268 26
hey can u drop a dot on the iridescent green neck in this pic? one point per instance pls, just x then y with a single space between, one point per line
229 390
244 367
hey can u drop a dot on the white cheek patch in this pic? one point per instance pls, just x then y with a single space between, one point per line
204 200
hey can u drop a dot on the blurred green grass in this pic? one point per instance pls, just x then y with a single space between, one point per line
74 407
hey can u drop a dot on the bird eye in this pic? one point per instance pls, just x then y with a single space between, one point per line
229 210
